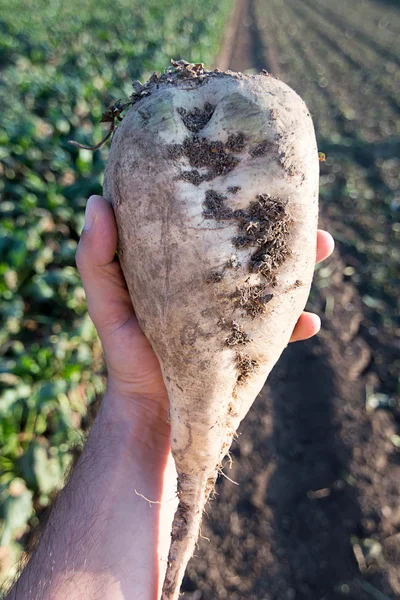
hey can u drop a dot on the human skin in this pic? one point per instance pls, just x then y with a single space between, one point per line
108 534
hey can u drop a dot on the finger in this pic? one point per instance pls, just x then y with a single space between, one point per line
325 245
308 325
98 242
106 293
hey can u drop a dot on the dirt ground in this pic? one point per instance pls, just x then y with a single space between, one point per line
316 512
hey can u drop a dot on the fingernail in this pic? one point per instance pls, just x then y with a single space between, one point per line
89 214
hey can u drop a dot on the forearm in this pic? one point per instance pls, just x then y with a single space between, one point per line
103 539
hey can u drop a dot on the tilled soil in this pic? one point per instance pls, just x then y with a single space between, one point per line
315 514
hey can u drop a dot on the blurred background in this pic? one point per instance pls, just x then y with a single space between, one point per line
316 514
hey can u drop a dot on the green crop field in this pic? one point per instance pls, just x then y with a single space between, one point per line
61 64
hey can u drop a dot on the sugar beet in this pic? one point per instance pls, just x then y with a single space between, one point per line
214 182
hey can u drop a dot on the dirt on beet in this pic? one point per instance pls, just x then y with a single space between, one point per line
316 512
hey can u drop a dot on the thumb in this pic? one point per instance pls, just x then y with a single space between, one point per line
107 296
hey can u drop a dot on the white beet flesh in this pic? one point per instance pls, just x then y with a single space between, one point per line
214 183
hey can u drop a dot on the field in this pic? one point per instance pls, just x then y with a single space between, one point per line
317 512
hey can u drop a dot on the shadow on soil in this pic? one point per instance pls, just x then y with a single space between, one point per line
315 512
314 505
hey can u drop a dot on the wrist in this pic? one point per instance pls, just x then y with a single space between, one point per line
136 420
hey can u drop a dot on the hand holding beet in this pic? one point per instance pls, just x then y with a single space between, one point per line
214 181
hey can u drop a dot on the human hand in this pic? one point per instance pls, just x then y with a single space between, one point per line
133 368
309 323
